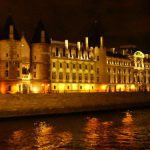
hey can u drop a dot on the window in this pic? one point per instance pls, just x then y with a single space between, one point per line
6 73
74 66
24 70
18 64
80 77
92 77
34 66
60 65
80 66
97 58
53 75
67 65
97 70
54 65
6 64
97 79
60 75
73 76
6 54
34 74
85 66
18 73
86 77
67 76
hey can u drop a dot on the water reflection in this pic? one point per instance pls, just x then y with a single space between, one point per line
126 132
18 141
96 133
47 139
100 131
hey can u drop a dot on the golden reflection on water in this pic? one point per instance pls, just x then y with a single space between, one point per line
18 141
47 139
127 131
96 132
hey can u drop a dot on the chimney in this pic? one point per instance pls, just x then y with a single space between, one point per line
66 44
86 43
101 42
43 36
11 32
79 46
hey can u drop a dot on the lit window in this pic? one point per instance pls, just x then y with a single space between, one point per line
53 75
92 77
67 76
86 77
73 76
60 75
80 77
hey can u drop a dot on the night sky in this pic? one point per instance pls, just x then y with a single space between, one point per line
120 21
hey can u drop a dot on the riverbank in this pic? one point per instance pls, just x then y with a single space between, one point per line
54 103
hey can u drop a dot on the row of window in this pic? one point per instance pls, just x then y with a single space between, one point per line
73 66
8 55
119 71
17 64
74 76
117 62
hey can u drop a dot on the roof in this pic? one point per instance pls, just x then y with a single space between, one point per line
5 31
37 35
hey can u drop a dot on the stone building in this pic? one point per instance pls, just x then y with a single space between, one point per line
60 66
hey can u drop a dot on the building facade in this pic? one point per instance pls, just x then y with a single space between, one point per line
54 66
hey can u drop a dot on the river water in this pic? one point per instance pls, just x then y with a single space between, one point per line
85 131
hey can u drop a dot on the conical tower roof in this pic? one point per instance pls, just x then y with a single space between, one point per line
37 35
6 29
94 33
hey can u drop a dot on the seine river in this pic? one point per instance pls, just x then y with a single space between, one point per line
85 131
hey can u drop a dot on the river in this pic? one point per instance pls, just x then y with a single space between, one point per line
83 131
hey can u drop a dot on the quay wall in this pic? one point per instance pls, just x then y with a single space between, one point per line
54 103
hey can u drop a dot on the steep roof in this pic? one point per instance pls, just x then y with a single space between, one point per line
94 33
5 31
37 35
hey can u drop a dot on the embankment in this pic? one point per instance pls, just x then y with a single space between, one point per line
40 104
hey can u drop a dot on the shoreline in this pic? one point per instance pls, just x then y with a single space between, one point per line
19 105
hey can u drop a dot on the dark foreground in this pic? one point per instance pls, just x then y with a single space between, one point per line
87 131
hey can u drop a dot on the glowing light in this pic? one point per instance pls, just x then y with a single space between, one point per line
35 89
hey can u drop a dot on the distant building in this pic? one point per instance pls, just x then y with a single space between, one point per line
54 66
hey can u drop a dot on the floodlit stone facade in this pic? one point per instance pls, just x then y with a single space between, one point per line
54 66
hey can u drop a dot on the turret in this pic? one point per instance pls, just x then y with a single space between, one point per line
40 57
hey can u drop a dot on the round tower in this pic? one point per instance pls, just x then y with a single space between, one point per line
40 59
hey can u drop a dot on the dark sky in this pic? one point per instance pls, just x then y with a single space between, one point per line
121 21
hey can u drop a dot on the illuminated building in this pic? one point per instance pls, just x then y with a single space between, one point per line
50 65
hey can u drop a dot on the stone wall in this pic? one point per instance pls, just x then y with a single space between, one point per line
40 104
